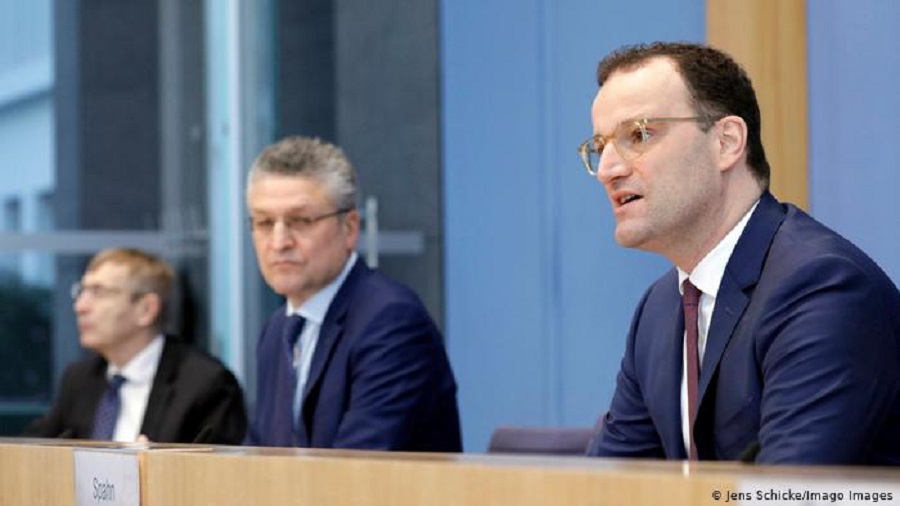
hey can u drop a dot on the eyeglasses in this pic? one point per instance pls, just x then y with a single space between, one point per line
295 225
632 138
97 291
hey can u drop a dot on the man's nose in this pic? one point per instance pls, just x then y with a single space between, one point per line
612 165
282 236
80 304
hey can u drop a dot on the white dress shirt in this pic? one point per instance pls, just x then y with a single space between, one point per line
139 373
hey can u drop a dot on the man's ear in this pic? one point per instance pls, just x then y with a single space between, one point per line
149 306
352 220
351 224
732 141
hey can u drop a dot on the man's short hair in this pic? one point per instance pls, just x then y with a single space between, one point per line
718 86
313 158
146 274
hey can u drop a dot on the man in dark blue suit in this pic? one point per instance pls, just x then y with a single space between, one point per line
773 339
352 360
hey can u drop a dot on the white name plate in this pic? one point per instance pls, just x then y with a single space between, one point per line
107 478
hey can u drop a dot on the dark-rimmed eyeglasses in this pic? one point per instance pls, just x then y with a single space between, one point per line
295 225
96 291
631 138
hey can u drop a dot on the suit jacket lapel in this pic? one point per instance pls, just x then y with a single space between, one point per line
741 275
730 304
82 422
161 392
329 335
277 381
673 350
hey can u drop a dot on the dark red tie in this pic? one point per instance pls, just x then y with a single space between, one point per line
691 301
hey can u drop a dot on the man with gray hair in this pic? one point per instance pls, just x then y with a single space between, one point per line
352 359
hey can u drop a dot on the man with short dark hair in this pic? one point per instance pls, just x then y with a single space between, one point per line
138 383
352 360
773 338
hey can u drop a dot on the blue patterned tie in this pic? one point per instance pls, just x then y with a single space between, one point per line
283 420
108 410
292 332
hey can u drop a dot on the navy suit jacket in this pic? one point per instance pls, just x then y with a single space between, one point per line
802 358
194 398
379 377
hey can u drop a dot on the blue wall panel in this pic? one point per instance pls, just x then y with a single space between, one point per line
492 216
854 111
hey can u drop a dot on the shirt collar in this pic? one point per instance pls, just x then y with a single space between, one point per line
707 275
314 308
142 368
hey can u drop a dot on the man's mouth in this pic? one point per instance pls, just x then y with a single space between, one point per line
283 263
627 198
